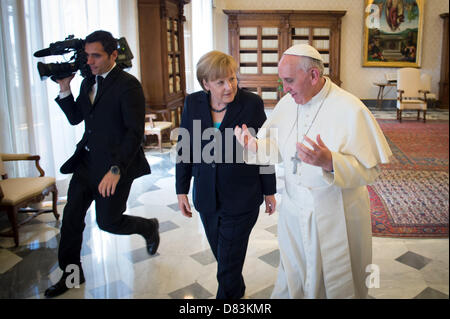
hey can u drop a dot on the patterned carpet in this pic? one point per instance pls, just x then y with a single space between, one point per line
411 196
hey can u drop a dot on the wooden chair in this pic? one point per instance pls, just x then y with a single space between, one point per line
17 194
158 128
410 95
426 87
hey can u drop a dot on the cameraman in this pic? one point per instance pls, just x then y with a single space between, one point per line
107 159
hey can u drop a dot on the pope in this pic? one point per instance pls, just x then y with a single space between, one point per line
331 147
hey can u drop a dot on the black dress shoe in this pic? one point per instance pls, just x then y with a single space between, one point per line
152 236
60 287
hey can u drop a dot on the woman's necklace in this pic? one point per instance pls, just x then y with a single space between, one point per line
218 111
295 159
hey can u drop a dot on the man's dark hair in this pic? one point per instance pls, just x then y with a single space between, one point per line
105 38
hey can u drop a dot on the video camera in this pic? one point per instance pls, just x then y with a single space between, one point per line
78 61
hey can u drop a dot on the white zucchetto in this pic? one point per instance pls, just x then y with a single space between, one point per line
304 50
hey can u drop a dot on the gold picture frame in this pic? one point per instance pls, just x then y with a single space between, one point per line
393 33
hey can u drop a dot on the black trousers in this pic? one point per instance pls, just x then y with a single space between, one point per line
109 213
228 236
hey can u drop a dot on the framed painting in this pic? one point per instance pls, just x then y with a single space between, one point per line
393 33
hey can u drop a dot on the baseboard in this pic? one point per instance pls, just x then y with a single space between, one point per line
389 105
385 105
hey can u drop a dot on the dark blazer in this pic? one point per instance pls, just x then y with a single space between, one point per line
114 125
226 181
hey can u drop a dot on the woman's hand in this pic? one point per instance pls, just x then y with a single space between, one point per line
271 204
183 204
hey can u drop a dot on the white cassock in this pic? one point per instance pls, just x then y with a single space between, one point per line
324 227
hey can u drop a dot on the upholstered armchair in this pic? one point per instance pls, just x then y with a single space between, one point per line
426 86
410 93
18 193
159 128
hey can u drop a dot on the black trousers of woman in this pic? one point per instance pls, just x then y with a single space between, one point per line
228 236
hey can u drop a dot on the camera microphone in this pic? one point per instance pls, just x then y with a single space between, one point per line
42 53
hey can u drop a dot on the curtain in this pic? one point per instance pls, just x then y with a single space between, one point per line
30 119
199 31
23 105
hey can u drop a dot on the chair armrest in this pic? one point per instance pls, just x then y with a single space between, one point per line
424 94
151 116
400 97
15 157
23 157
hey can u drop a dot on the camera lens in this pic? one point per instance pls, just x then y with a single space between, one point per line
58 70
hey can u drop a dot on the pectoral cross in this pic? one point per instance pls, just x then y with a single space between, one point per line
295 161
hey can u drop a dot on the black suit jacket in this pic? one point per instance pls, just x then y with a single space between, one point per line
114 125
226 181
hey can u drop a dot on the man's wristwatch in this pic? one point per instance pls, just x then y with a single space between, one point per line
115 170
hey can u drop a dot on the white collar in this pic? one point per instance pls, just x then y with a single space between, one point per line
319 96
107 72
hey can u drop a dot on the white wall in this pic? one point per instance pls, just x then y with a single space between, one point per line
356 79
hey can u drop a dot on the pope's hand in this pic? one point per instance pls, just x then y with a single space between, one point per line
245 138
183 204
320 155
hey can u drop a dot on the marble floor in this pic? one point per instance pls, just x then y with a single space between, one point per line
184 267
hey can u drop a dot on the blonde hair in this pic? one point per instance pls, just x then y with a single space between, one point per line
215 65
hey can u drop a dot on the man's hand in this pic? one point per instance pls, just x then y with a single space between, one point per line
320 155
183 204
64 84
271 204
107 186
245 138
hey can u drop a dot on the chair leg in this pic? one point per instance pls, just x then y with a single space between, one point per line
418 115
12 216
55 202
424 116
399 115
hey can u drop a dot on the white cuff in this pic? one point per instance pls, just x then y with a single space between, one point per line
328 176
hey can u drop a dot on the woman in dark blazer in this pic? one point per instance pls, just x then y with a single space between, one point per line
226 192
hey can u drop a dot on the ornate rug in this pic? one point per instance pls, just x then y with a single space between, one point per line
411 196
